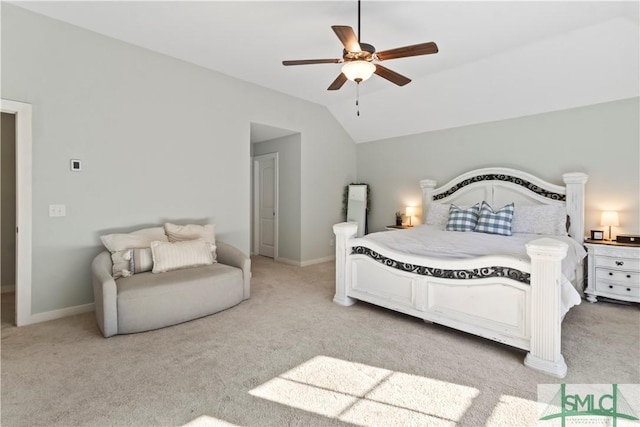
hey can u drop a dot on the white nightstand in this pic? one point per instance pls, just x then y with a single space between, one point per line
614 271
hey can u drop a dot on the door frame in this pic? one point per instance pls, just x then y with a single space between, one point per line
256 202
23 141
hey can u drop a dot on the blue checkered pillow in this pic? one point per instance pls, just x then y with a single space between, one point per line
463 219
498 222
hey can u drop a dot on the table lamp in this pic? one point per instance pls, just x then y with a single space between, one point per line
609 218
409 211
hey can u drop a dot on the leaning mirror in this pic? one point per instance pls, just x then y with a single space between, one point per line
357 207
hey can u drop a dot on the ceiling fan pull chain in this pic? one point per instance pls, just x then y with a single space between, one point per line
358 99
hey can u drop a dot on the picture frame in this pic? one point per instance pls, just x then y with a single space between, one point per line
597 235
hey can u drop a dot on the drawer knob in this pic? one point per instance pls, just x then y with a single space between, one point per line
610 274
610 287
629 289
628 276
620 263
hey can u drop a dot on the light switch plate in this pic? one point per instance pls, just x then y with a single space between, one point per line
57 210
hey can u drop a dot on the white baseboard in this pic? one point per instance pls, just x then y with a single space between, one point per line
7 288
317 261
58 314
287 261
305 263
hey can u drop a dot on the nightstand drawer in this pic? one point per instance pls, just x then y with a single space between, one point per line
616 289
619 263
623 278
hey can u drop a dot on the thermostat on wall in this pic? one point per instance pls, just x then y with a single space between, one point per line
76 165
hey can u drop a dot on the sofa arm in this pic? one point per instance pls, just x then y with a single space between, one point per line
105 294
230 255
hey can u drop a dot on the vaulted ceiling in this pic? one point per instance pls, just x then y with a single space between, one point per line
497 60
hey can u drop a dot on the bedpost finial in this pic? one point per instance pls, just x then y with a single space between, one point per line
428 183
575 178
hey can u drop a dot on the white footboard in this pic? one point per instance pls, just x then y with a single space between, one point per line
522 315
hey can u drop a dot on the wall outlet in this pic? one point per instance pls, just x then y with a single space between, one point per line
57 210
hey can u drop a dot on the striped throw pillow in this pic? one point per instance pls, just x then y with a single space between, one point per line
141 261
168 256
495 222
463 219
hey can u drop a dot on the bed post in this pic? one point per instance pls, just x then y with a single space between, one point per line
546 256
343 231
575 182
427 185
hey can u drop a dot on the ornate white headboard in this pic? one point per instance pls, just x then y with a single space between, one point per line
499 186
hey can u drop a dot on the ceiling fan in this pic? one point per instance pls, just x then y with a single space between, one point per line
361 59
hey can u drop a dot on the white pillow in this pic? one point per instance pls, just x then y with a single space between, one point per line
135 239
120 243
540 219
169 256
438 214
180 233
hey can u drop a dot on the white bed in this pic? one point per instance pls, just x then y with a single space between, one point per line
516 292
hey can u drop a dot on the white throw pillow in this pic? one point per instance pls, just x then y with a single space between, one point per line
119 244
438 214
169 256
550 220
135 239
181 233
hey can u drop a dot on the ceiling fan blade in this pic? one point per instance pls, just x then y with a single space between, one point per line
406 51
392 76
312 61
348 38
338 82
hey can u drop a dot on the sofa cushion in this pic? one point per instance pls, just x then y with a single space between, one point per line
151 301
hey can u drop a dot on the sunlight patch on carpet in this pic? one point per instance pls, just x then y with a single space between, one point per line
367 395
511 411
207 421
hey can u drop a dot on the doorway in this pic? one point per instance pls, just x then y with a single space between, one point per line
22 116
265 204
8 216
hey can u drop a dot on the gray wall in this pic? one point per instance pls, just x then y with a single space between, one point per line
8 205
289 192
602 140
160 139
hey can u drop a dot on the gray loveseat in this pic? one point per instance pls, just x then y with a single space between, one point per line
147 301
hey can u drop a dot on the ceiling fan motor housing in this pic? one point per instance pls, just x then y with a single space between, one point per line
366 53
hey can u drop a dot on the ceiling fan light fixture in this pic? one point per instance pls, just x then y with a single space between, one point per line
358 71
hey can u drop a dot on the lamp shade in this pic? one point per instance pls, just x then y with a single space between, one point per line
610 218
358 71
409 211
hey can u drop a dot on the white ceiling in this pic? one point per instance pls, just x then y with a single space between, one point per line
497 59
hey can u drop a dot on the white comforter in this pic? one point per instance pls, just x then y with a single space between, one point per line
425 240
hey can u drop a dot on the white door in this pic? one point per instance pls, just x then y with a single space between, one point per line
266 205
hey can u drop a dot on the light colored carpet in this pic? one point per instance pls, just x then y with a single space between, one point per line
289 356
